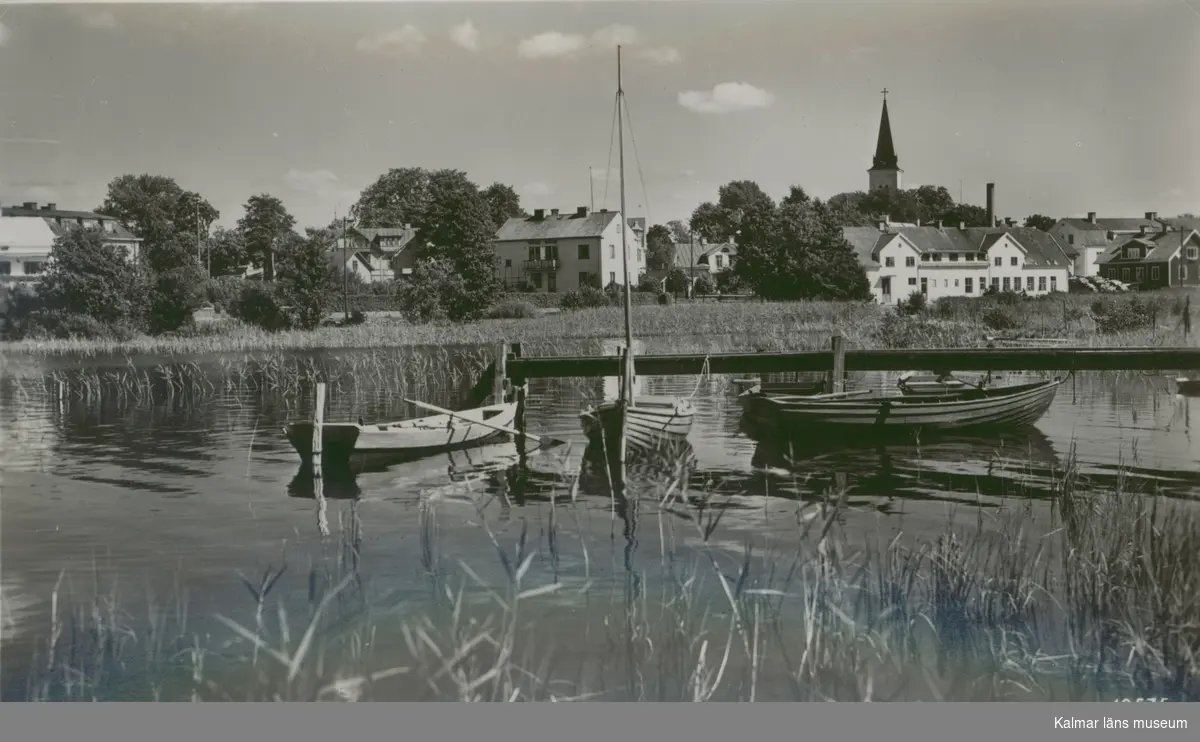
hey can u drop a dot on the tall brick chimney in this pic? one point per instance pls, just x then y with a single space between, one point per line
991 203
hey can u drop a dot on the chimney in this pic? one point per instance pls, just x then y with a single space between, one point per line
603 211
553 212
539 213
996 222
1142 230
962 225
1151 215
581 211
991 202
939 223
883 225
1092 217
1011 222
30 205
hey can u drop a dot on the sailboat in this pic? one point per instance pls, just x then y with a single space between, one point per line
628 422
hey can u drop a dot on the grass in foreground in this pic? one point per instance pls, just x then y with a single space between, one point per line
1104 606
736 326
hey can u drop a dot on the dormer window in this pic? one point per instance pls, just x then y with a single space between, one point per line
953 257
1133 253
925 258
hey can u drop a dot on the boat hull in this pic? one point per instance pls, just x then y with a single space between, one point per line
1004 407
650 422
413 438
1188 387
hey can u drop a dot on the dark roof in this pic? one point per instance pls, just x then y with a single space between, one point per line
370 234
53 216
556 227
1114 224
1042 249
885 150
1182 222
1159 247
686 251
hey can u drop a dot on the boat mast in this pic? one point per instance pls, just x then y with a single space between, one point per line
628 370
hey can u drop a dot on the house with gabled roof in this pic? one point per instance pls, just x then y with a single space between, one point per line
1092 236
29 232
551 252
939 261
1154 260
384 253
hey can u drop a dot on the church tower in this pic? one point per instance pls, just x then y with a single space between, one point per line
885 169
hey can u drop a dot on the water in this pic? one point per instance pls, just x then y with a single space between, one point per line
106 487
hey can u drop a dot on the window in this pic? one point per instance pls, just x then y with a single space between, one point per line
1041 283
889 262
912 280
945 283
535 252
584 251
5 268
1029 283
1112 273
1013 262
996 283
924 286
1053 283
956 283
937 257
910 261
33 267
612 252
508 262
721 261
953 257
925 258
1193 253
612 276
1182 272
1154 273
998 262
552 282
551 252
536 280
885 285
1070 239
1139 274
640 258
1007 283
969 285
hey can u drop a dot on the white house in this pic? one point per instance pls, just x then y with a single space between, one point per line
28 232
561 252
938 261
1091 237
377 254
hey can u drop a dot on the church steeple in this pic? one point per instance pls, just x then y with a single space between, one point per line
885 167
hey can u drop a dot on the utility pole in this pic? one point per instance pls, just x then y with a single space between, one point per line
592 188
345 271
691 259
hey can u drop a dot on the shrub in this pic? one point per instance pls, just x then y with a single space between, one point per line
729 282
677 281
999 317
585 298
258 305
434 291
647 282
222 292
704 286
43 324
90 277
1133 313
513 309
915 304
666 299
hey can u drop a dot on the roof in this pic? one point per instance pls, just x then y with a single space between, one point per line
1159 247
25 233
637 222
1114 224
1182 222
1042 249
885 150
685 252
336 258
370 234
556 227
52 216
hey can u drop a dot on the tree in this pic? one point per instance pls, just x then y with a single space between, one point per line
677 281
503 204
709 222
703 285
157 209
88 283
660 248
226 252
679 231
796 195
310 285
265 227
432 292
398 197
1039 221
738 202
968 215
175 287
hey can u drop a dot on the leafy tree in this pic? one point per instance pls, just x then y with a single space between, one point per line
310 285
679 231
796 195
1039 221
704 285
225 252
87 278
176 287
265 227
660 248
157 209
738 202
398 197
967 214
648 283
433 291
677 281
729 282
503 204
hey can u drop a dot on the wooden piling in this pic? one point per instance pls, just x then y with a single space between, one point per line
519 386
1187 316
500 375
837 375
318 426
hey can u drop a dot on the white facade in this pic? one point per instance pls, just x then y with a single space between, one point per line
25 245
554 264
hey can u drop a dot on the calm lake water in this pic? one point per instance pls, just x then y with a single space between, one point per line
104 485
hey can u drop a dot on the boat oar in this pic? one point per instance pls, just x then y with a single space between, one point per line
540 440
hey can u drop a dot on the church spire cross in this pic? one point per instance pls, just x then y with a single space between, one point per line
885 92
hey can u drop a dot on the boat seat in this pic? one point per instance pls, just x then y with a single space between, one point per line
652 400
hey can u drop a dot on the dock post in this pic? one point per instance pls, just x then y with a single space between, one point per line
317 454
836 381
519 396
1187 317
500 376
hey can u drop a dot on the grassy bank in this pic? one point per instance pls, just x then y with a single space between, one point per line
1085 320
1101 607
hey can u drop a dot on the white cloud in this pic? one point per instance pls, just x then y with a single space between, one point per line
466 35
610 36
409 39
551 44
5 34
661 54
535 189
726 97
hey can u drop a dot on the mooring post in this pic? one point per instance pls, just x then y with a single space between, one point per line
318 426
519 397
500 376
1187 316
837 375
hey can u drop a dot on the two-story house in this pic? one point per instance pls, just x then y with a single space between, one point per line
1154 260
28 232
553 252
939 261
1093 236
377 253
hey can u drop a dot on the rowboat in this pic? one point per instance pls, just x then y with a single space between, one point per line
404 439
909 384
628 422
1186 386
935 385
1010 406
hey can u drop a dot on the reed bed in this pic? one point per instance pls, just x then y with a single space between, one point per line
742 325
1095 598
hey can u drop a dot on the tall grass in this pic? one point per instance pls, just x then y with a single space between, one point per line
1095 599
740 326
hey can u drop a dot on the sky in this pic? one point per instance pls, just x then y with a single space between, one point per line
1067 106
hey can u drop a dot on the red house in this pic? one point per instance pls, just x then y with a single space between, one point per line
1169 258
